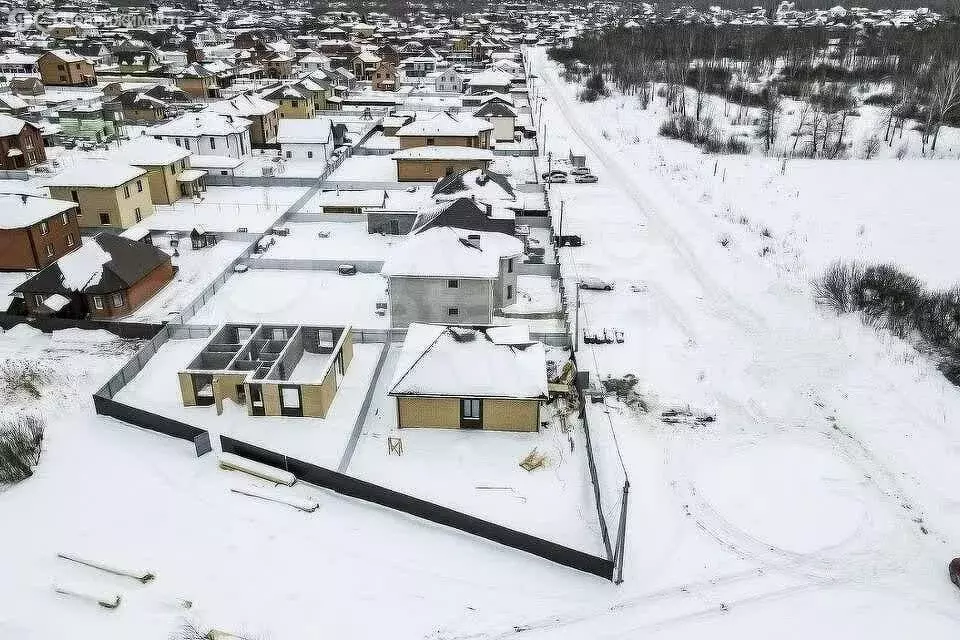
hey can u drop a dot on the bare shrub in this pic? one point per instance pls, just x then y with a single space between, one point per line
24 375
21 440
836 289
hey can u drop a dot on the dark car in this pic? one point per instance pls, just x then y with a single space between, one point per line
569 241
554 172
954 571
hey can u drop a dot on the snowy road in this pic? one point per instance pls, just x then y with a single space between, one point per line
833 469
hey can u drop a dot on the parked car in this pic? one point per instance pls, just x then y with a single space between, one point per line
596 284
569 241
586 178
555 178
579 171
954 571
554 172
347 270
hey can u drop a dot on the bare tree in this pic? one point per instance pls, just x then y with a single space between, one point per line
769 117
945 95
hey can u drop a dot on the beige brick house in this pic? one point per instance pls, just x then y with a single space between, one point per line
108 194
167 165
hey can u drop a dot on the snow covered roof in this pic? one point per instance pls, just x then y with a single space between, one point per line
446 124
145 150
94 172
490 79
243 106
476 361
448 252
304 131
19 211
10 126
365 198
483 184
495 109
443 153
206 123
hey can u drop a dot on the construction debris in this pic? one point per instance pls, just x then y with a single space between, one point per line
107 601
686 416
303 504
142 576
533 460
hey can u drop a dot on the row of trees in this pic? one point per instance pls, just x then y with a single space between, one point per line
754 67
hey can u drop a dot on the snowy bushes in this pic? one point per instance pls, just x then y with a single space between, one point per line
896 301
702 133
594 89
21 438
21 375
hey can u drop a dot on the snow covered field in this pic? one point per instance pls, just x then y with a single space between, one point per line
308 297
226 209
478 472
823 497
346 241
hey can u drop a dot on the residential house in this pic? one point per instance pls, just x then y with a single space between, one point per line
13 105
365 64
107 193
293 101
306 139
264 116
470 377
447 81
137 106
61 67
198 81
35 231
468 213
418 66
21 144
206 133
137 58
169 173
502 117
277 65
90 121
13 63
444 274
446 129
107 277
27 86
498 81
385 77
426 164
314 61
270 370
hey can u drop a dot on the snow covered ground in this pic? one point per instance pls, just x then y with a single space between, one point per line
196 269
346 241
366 169
226 209
308 297
478 472
824 495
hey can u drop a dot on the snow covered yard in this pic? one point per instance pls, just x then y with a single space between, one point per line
536 295
307 297
366 169
478 472
196 269
318 440
226 209
344 241
828 481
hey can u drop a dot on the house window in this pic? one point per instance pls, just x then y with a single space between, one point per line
509 292
63 78
43 228
213 143
75 195
139 186
186 143
104 218
126 191
176 140
453 284
430 141
279 334
453 311
37 300
64 218
137 214
510 265
117 300
183 164
294 103
98 302
173 167
289 154
470 408
49 250
69 239
309 154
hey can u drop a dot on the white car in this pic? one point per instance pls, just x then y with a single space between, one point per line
597 284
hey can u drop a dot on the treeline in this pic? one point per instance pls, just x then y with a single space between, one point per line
753 66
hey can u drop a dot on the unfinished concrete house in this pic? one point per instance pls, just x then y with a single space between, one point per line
272 370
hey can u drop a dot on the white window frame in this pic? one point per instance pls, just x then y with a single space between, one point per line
98 303
116 300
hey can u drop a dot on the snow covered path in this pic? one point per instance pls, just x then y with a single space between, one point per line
833 464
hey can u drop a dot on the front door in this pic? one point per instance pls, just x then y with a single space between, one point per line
290 401
471 413
256 400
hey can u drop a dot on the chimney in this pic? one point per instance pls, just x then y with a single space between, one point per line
23 197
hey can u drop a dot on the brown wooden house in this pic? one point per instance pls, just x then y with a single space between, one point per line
21 144
36 231
61 67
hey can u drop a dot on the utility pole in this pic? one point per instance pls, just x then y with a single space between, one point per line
560 229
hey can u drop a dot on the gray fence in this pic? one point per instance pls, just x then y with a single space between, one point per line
126 330
532 269
263 261
523 153
376 494
215 180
